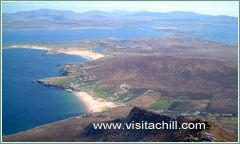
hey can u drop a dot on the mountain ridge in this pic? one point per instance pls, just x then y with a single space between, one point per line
80 129
49 18
118 11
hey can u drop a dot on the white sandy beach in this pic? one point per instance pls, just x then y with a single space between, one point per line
93 105
88 54
29 47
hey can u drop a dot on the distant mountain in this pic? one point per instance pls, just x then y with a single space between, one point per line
96 12
47 13
48 18
123 12
186 16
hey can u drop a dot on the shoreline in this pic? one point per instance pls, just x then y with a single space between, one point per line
30 47
83 53
94 105
87 54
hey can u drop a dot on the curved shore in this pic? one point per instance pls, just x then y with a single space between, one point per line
89 54
94 105
29 47
84 53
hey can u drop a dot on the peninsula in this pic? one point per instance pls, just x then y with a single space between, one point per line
183 77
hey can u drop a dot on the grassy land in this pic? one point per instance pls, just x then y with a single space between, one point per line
63 82
99 90
107 92
229 120
162 104
85 84
131 94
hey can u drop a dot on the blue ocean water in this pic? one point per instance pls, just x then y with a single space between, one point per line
26 104
217 33
222 34
97 49
54 35
227 34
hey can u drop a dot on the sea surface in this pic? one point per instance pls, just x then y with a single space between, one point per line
227 34
54 35
25 104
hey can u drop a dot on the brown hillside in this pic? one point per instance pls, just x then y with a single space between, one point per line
196 78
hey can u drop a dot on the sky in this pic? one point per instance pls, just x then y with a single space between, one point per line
210 8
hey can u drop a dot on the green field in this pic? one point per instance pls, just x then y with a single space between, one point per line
131 94
162 104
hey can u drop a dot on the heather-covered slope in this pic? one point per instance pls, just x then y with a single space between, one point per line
173 85
179 78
